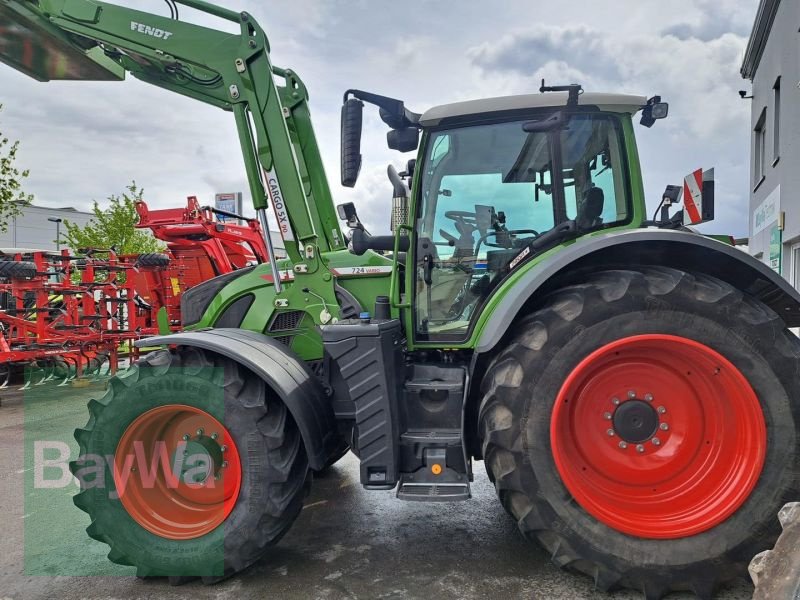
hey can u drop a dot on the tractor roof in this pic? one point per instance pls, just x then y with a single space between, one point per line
609 102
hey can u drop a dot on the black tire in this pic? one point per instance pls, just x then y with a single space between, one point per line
274 466
10 269
152 259
523 380
776 572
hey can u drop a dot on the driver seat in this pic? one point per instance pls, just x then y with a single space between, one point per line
451 277
590 209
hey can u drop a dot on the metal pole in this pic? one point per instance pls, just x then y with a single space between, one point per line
261 213
58 231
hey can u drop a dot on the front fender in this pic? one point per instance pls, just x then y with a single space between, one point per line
285 373
678 249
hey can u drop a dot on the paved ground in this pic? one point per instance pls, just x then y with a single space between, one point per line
348 543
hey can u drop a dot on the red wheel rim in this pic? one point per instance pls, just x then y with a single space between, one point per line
176 498
697 466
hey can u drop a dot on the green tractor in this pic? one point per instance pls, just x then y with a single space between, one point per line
631 386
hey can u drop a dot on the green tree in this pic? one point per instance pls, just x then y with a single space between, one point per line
12 198
113 226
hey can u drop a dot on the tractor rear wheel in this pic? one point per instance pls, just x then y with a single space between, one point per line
642 426
189 467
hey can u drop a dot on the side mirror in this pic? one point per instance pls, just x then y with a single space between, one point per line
347 213
352 118
403 140
411 166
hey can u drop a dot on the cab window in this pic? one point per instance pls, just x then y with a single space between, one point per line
490 190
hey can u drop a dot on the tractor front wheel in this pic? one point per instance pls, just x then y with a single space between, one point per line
189 467
642 426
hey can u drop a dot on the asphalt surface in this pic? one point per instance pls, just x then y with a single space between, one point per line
347 543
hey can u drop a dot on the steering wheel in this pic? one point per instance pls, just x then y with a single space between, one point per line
469 218
466 223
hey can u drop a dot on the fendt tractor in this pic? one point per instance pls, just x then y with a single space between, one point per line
631 385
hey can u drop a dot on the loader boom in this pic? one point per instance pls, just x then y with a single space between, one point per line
89 39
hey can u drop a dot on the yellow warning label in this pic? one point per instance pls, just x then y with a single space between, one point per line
176 286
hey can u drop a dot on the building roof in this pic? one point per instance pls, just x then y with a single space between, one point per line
70 209
610 102
13 251
767 9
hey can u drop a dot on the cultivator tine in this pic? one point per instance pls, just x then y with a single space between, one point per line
43 379
50 371
29 373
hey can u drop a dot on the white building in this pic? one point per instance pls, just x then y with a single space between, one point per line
37 227
35 230
772 64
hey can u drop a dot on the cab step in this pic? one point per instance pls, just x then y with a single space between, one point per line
435 481
432 492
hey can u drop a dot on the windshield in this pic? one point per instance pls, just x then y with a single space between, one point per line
489 190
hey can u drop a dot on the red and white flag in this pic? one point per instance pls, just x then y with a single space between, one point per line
693 197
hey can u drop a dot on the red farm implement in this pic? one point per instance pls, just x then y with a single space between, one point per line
67 316
200 247
194 236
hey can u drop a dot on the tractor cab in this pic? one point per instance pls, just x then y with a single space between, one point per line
499 181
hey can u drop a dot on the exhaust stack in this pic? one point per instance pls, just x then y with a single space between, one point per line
399 200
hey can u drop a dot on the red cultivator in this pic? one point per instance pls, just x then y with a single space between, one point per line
68 316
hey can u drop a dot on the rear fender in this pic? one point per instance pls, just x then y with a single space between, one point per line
285 373
667 248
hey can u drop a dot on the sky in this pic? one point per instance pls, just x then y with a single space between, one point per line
84 141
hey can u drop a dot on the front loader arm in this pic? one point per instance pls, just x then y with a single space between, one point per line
230 71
